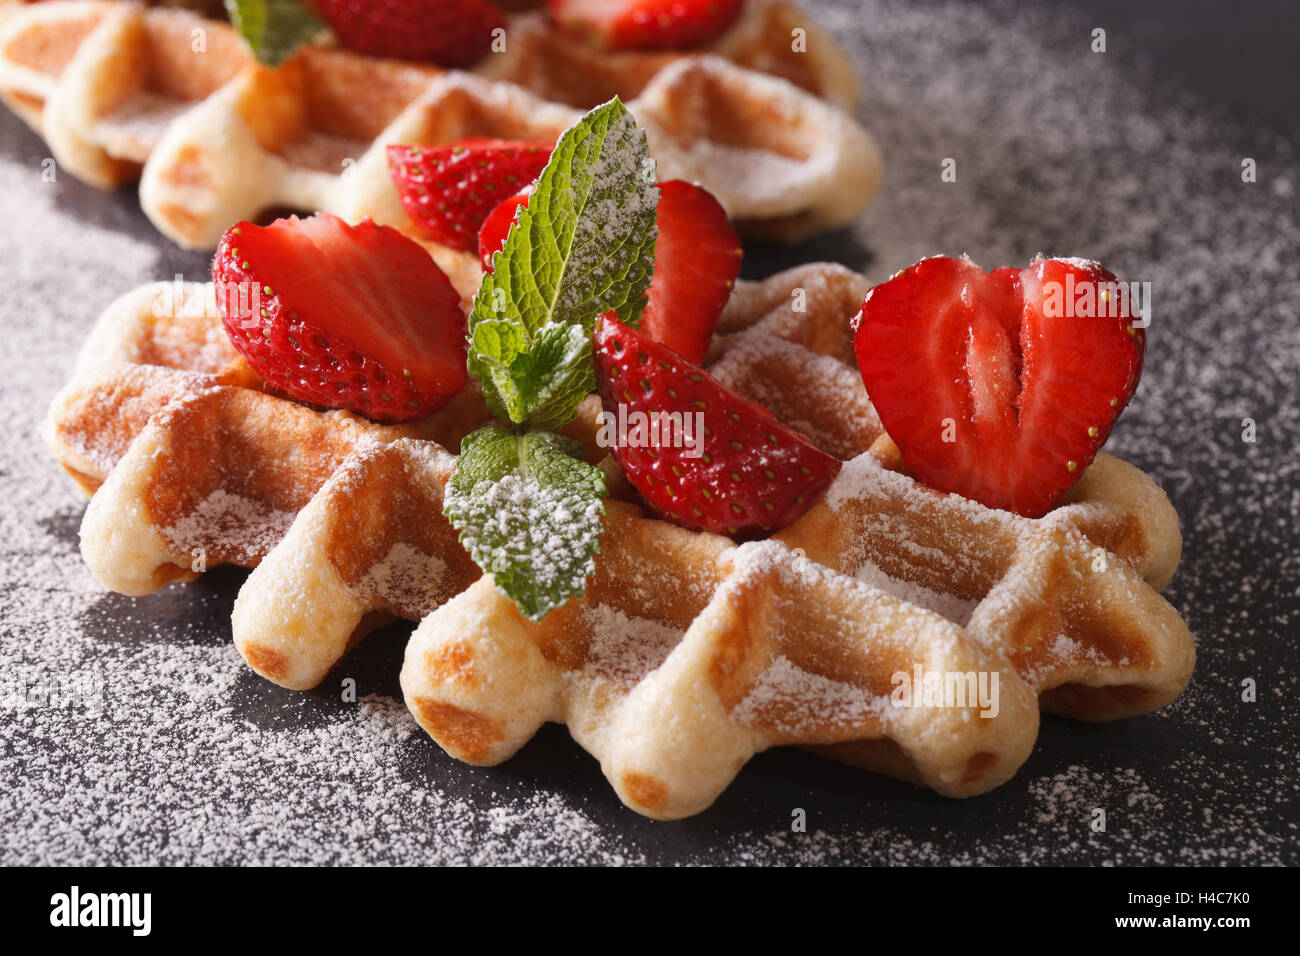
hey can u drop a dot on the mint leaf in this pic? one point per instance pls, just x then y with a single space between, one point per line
528 510
557 374
494 347
544 384
273 29
583 246
527 507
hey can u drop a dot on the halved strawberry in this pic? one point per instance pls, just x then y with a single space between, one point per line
751 471
446 32
1001 386
697 259
648 24
355 317
496 227
449 190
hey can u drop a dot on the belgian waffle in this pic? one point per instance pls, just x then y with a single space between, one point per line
119 91
688 653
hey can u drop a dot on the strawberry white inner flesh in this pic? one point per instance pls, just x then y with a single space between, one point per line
1000 386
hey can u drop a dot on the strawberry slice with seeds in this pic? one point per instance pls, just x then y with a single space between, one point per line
647 24
697 259
449 190
1000 386
742 471
355 317
447 32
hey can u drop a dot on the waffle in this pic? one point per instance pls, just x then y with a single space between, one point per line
688 653
193 463
117 91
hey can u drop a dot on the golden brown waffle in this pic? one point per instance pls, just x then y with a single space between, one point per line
120 91
688 653
193 464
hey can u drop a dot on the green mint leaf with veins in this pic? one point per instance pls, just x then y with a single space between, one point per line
528 510
584 245
542 381
273 29
559 372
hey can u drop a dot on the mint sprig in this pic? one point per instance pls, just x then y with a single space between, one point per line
583 246
541 381
273 29
528 508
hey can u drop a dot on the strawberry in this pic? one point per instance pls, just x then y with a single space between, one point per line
355 317
647 24
492 236
449 190
752 472
999 386
446 32
697 259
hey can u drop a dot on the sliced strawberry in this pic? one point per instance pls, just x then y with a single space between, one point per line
648 24
446 32
697 259
752 472
999 386
449 190
496 227
355 317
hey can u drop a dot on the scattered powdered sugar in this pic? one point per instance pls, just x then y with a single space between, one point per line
625 649
1065 653
799 700
864 477
102 451
196 760
756 559
813 382
405 577
858 478
618 207
954 608
232 523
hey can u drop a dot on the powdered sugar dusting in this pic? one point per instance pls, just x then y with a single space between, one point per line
245 528
406 578
864 477
763 175
796 700
504 523
951 606
813 381
198 761
1067 653
624 649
